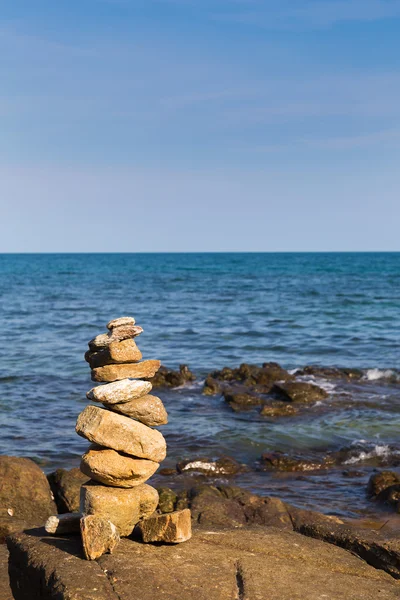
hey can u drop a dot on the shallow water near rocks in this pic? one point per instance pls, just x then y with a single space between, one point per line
209 311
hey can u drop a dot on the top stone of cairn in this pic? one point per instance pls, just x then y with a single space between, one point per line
120 322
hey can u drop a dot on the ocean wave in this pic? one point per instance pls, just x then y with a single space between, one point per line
363 451
377 374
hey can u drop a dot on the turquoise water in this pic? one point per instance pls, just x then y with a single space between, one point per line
209 310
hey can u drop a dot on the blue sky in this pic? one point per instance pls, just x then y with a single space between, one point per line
191 125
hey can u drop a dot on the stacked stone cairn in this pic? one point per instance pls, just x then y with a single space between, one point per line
125 450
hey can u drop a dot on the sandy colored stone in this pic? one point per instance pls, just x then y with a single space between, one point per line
125 351
147 409
171 528
116 335
121 433
121 321
113 468
99 536
109 373
66 523
123 507
119 392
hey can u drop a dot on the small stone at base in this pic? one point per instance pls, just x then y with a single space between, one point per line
171 528
66 523
99 536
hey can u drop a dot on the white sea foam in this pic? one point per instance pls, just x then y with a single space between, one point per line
376 374
378 451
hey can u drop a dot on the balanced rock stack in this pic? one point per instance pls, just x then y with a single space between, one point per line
125 450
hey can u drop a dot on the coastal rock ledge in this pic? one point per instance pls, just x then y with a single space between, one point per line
252 564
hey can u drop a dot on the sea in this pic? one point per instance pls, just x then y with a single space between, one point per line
209 311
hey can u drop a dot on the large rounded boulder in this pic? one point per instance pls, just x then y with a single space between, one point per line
25 493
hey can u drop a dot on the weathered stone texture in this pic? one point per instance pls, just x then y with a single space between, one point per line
99 536
116 469
148 410
120 433
123 507
171 528
119 392
109 373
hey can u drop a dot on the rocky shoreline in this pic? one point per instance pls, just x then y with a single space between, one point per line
206 483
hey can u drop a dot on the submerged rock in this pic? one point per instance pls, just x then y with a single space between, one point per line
170 378
278 409
279 461
212 468
381 481
239 399
331 373
299 391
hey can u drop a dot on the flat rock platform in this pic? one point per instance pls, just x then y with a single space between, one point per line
238 564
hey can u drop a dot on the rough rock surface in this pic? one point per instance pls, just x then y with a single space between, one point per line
372 547
119 392
146 368
299 391
117 335
123 507
214 565
125 351
24 491
116 469
331 373
99 536
66 487
9 525
120 322
148 410
5 590
170 378
256 379
120 433
171 528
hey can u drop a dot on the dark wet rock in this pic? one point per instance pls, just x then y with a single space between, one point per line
379 482
166 472
167 500
66 487
279 461
373 547
331 373
299 391
239 399
25 494
352 474
171 379
223 466
213 565
278 409
255 378
363 453
390 496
